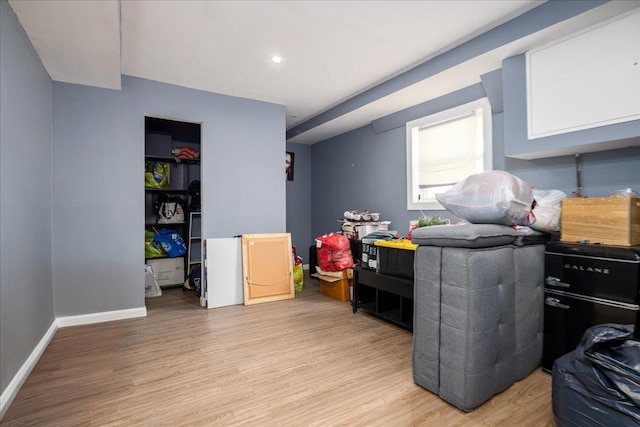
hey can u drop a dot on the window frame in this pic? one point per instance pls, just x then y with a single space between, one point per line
452 113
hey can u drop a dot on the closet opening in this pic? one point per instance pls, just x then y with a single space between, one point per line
173 211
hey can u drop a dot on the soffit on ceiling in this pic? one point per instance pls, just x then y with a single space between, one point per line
331 51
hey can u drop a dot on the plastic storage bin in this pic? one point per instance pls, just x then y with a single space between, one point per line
396 257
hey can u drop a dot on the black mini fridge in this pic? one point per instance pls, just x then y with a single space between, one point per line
587 285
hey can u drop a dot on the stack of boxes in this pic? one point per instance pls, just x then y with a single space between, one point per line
356 230
335 263
387 257
356 226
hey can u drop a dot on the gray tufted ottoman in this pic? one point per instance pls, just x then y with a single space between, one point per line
478 307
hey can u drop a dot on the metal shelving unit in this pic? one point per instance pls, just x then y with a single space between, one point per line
194 254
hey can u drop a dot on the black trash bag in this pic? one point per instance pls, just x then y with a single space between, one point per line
598 384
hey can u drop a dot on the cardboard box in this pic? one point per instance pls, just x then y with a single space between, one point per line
358 230
604 220
335 287
168 271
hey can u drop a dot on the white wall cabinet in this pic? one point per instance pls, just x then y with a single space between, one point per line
586 80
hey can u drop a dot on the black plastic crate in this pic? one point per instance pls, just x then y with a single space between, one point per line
395 262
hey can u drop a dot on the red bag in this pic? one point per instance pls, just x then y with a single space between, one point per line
334 252
185 152
297 259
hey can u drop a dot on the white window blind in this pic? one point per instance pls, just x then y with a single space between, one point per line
449 151
445 148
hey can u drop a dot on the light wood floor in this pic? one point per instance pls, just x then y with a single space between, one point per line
302 362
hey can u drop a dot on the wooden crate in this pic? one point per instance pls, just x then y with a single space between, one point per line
605 220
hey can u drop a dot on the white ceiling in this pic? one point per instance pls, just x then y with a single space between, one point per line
331 50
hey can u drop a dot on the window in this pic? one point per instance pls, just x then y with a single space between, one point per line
444 148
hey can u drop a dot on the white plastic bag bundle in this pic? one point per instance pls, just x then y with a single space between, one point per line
545 215
151 286
493 197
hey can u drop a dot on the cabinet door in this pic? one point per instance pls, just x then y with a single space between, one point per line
267 267
566 319
587 80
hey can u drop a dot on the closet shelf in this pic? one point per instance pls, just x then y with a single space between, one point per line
172 159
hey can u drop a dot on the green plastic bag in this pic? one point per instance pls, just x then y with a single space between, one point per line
298 278
156 174
151 248
298 271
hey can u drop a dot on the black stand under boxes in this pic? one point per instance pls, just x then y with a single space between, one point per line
386 291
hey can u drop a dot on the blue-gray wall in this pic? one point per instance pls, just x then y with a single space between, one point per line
366 168
299 200
98 189
72 212
360 170
72 215
26 292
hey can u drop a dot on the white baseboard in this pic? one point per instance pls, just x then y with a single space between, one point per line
84 319
105 316
23 373
305 266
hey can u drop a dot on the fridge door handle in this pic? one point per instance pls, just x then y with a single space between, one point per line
554 281
555 302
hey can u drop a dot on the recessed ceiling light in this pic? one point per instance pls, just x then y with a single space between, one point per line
277 59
